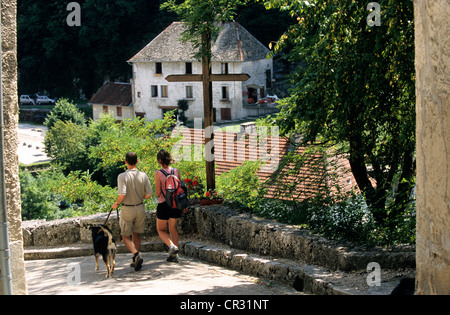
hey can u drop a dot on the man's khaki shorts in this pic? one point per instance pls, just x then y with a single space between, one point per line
132 220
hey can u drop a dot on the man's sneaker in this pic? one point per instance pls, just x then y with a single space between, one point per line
173 258
173 250
137 261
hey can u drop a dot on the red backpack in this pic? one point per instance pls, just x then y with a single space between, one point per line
176 191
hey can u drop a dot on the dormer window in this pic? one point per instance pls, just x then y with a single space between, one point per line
188 67
158 68
224 67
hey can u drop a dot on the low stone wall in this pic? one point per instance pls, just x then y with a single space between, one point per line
266 237
240 231
33 115
43 233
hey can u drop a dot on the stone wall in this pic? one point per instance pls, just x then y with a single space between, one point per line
433 146
33 115
10 120
240 231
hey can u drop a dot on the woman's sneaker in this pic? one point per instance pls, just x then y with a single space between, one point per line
173 250
173 258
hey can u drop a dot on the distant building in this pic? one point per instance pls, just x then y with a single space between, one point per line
113 98
234 51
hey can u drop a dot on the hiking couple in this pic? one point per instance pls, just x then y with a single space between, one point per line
133 187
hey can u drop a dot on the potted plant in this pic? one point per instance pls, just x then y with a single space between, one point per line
211 197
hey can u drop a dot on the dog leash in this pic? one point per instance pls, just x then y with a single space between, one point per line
107 218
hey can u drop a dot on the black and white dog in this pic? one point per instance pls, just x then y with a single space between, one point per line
105 245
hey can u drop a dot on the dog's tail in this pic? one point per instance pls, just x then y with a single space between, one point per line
111 244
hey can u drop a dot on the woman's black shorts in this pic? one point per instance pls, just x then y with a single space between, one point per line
165 212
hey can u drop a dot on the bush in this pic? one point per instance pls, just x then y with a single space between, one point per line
65 111
39 201
281 210
241 184
65 143
349 220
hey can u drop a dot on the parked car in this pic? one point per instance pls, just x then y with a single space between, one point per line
44 100
26 99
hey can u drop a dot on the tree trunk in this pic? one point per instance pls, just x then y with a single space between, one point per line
375 197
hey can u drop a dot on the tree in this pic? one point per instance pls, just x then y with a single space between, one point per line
63 59
354 86
65 111
65 143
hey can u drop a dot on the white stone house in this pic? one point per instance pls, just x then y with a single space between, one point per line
234 51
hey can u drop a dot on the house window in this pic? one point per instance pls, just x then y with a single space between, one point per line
189 92
158 68
105 109
164 91
262 92
188 67
154 91
268 78
224 67
224 95
119 111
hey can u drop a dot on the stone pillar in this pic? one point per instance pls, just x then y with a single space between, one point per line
10 119
432 22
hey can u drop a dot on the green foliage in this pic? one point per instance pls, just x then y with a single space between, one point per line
241 184
63 59
79 189
350 220
38 199
284 211
52 195
143 138
65 143
354 86
65 111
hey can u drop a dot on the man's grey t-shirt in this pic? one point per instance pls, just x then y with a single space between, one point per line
134 185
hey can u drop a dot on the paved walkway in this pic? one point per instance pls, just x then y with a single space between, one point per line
191 276
31 146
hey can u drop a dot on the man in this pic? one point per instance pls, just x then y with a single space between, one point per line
133 187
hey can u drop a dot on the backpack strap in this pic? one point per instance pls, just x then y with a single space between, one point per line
172 172
164 172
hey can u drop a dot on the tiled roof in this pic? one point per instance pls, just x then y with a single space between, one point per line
231 151
233 43
114 94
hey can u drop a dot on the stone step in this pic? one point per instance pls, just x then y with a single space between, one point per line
303 277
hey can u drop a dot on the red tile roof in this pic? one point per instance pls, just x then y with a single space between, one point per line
305 178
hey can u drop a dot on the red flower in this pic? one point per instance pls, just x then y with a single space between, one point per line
207 194
195 183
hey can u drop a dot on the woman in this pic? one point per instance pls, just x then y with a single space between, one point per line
164 213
